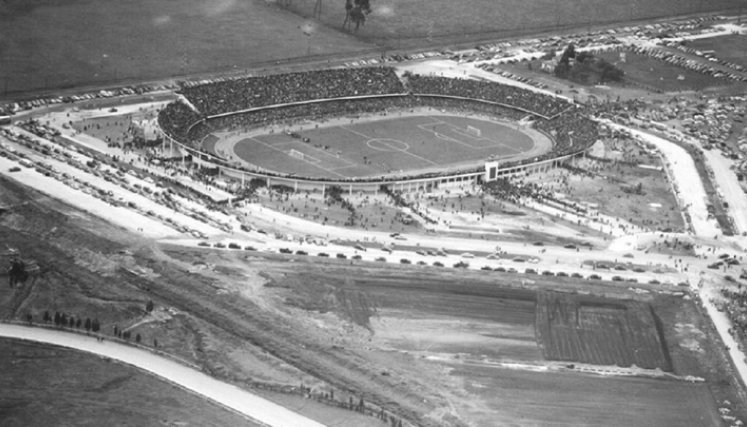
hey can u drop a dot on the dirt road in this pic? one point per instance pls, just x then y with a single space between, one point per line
230 396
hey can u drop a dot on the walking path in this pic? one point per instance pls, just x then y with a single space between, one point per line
230 396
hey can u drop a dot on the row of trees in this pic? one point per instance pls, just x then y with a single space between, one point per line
62 320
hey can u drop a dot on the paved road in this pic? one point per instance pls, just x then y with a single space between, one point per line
248 404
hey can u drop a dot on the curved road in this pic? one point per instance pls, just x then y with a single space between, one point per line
235 398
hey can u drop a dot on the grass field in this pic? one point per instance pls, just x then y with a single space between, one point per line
650 72
393 22
55 43
48 44
388 146
729 48
46 385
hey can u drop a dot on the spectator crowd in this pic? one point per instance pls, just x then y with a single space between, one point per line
286 100
529 101
241 94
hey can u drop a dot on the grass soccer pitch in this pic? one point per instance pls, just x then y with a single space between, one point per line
422 143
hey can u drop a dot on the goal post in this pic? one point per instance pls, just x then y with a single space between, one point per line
296 154
471 130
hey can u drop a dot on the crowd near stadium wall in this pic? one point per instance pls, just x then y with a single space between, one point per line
184 128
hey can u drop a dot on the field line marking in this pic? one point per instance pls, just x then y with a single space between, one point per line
456 129
462 132
343 167
421 158
304 160
297 144
357 133
445 137
395 148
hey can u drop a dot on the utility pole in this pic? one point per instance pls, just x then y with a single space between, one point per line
318 9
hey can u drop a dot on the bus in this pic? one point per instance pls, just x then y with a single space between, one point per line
4 120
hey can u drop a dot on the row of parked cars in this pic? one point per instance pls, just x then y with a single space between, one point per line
110 172
406 261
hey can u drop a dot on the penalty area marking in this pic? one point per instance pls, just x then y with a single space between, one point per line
387 144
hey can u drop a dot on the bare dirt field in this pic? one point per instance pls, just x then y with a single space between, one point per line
599 332
47 385
622 177
513 397
402 338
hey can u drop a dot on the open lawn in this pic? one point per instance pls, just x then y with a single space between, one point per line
47 385
406 22
389 146
46 44
729 48
652 73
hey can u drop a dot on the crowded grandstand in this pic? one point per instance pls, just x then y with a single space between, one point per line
254 102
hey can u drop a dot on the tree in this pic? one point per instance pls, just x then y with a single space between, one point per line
95 325
149 306
564 63
56 318
63 319
155 342
87 325
137 338
569 52
29 318
71 322
78 322
47 317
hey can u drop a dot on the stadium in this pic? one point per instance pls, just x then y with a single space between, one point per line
361 128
